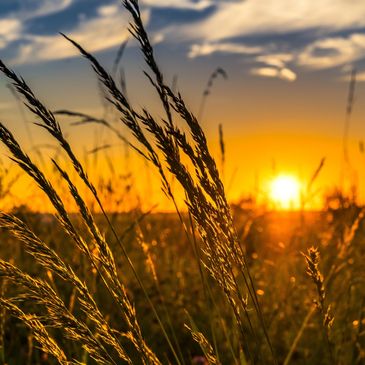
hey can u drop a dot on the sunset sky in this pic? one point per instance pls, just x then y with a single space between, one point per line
282 106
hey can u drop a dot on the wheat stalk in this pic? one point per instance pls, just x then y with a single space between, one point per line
206 200
312 258
50 260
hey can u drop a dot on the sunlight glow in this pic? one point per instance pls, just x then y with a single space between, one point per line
285 192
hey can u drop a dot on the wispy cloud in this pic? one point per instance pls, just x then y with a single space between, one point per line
235 19
12 24
275 59
331 52
10 30
35 9
261 31
157 38
274 72
231 24
178 4
275 66
207 49
95 34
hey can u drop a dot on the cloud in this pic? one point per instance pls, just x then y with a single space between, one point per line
230 20
157 38
12 25
275 66
234 19
42 8
178 4
331 52
108 29
206 49
287 74
108 10
10 30
217 32
274 72
275 59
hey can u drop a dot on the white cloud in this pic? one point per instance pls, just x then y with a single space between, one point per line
12 26
320 18
287 74
265 71
42 8
157 38
108 10
275 63
10 30
275 66
235 19
178 4
207 49
273 72
275 59
106 30
331 52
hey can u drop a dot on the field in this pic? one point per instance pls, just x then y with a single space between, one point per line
166 263
215 282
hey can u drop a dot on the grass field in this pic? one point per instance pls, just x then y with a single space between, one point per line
213 283
166 263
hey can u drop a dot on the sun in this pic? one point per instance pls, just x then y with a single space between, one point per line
285 192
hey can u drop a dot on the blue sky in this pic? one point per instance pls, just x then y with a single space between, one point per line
275 38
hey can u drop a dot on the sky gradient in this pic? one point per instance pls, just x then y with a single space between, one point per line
282 106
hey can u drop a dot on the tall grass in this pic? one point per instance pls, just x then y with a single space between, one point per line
204 190
223 256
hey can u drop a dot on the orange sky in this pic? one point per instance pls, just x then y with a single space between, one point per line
252 161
